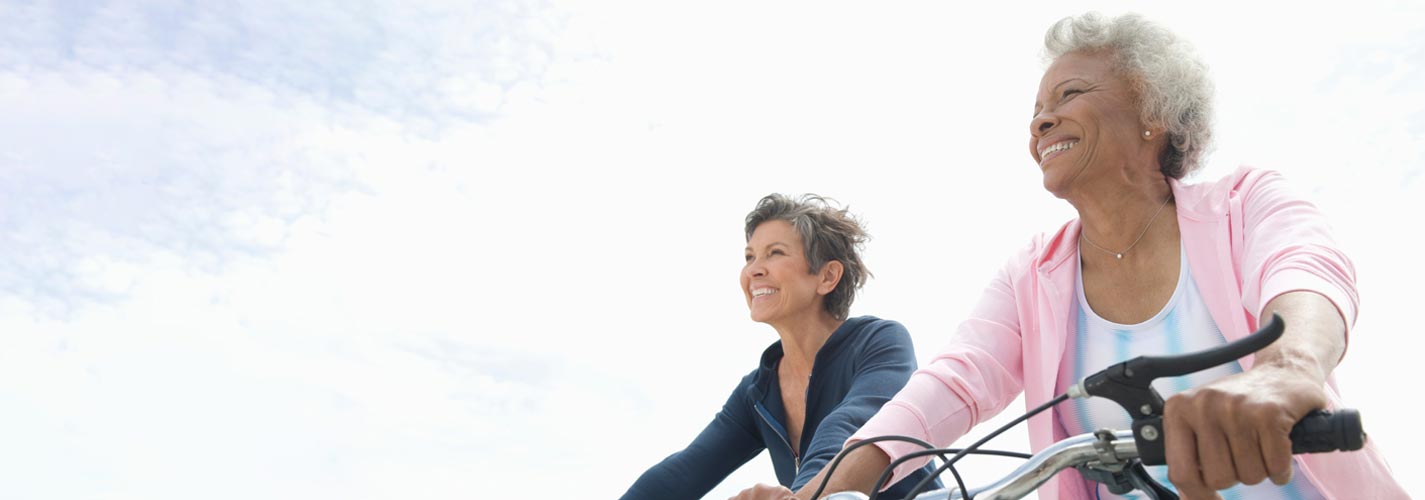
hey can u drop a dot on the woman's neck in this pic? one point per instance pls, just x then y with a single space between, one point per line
802 339
1117 217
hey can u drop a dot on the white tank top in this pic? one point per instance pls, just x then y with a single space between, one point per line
1183 325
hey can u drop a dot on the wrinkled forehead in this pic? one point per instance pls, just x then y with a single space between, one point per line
1087 68
774 231
1093 66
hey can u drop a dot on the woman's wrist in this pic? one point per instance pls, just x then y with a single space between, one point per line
1293 362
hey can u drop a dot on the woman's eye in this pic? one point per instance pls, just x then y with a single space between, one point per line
747 257
778 252
1069 92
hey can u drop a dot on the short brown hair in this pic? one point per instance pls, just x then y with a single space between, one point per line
828 233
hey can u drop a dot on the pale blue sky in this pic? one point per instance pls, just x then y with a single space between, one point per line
375 250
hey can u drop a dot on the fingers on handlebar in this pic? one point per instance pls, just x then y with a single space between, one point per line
1276 453
1250 448
1180 444
1248 458
1214 455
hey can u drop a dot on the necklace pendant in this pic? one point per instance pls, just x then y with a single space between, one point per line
1119 255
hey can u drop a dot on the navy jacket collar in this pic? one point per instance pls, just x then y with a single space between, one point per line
767 369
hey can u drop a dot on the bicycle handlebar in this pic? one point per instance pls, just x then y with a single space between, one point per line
1319 432
1070 452
1324 431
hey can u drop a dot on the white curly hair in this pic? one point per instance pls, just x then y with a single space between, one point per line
1170 83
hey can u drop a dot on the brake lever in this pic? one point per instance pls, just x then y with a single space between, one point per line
1129 383
1141 481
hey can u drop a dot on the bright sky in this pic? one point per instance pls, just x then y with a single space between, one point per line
327 249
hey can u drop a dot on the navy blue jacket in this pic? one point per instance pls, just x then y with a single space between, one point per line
864 362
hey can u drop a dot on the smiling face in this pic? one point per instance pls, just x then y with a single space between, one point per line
776 280
1086 127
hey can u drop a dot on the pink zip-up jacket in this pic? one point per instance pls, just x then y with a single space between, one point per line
1248 239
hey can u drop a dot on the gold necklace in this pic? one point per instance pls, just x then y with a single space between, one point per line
1084 235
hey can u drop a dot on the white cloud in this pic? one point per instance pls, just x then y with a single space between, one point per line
376 251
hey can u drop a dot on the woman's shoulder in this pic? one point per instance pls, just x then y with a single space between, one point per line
865 332
867 325
872 336
1047 249
1213 197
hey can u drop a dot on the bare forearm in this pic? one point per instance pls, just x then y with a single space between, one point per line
1315 336
1235 429
857 472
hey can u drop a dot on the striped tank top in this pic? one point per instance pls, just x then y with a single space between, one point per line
1183 325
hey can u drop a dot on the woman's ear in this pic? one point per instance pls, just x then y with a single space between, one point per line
830 276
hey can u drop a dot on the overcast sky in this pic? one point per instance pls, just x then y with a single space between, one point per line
361 250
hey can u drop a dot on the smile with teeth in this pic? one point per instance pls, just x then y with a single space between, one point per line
1057 147
763 291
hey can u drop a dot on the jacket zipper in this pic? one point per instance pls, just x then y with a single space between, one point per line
806 401
796 460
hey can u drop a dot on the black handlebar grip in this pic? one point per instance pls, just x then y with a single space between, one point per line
1322 431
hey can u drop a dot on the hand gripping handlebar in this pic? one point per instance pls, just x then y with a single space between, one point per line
1129 384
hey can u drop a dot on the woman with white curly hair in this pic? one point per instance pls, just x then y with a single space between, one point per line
1151 266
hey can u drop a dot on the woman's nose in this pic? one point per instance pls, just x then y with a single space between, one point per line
1041 123
755 269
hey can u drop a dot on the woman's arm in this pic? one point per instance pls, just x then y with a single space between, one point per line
857 472
881 369
975 376
1235 429
724 445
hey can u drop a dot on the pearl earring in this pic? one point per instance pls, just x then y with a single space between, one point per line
1147 133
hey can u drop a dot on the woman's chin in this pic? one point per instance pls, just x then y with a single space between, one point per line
766 316
1055 184
1060 177
760 316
